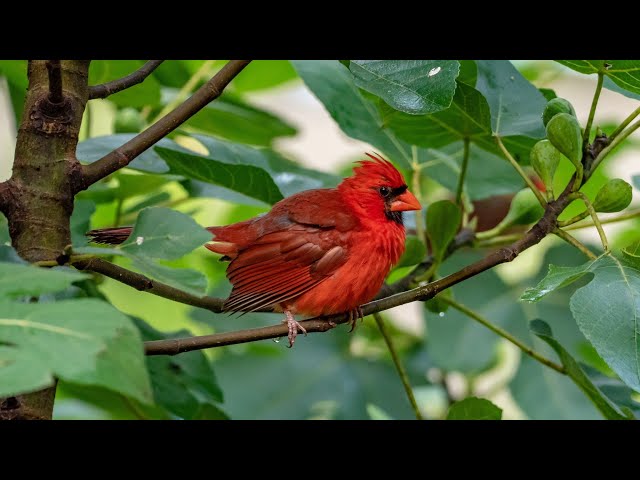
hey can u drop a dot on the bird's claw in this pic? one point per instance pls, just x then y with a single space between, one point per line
293 326
354 315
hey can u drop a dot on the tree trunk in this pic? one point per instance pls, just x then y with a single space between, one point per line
38 198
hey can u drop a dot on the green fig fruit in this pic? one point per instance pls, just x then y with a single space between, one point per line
556 106
525 208
564 132
615 195
544 160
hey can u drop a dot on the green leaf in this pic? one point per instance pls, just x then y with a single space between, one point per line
246 179
411 86
145 93
15 72
607 311
81 221
173 73
17 280
164 233
548 93
414 252
632 253
443 222
288 175
516 105
97 147
606 407
556 278
624 73
184 384
263 74
614 196
468 116
610 85
128 120
83 341
636 181
524 209
185 279
236 120
468 72
474 408
376 413
334 86
564 132
487 174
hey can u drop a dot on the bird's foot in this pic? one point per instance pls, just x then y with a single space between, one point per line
354 315
293 326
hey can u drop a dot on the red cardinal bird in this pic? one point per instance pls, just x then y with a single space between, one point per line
317 252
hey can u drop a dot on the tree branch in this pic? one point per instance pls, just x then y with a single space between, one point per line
145 284
105 89
122 156
55 82
321 324
4 196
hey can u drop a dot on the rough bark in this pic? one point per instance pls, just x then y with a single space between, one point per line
38 198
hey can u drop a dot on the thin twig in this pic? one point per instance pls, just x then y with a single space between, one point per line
592 111
521 172
105 89
404 378
145 284
122 156
574 242
624 124
504 334
614 143
594 217
463 172
572 220
618 218
55 82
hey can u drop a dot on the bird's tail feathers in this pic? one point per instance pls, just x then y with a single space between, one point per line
109 236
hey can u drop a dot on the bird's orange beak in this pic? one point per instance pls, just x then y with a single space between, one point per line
405 202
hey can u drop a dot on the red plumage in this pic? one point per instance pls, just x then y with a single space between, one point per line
317 252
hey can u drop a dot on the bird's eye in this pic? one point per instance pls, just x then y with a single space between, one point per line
384 191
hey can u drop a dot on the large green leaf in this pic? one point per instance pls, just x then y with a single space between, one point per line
575 372
245 178
145 93
97 147
81 221
606 310
18 280
164 233
473 408
263 74
335 87
82 341
487 174
411 86
288 175
238 121
516 105
624 73
468 116
443 222
184 384
185 279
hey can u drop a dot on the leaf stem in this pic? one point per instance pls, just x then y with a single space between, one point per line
575 219
399 367
573 241
594 217
521 172
618 218
463 172
504 334
618 139
624 124
592 111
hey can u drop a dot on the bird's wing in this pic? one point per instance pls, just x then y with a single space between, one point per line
283 265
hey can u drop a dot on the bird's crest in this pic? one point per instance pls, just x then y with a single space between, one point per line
379 167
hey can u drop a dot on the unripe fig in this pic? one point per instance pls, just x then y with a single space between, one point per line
615 195
563 131
556 106
544 160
